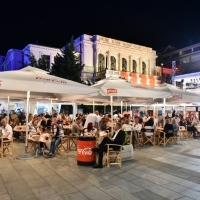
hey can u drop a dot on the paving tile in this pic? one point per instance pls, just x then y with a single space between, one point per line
146 194
180 181
73 196
183 190
37 183
5 197
161 191
118 193
127 176
44 192
184 198
148 170
149 177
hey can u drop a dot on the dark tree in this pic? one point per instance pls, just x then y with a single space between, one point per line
66 64
33 61
43 63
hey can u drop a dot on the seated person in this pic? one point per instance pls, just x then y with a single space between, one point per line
168 129
33 128
175 126
150 122
117 138
7 132
42 130
90 130
77 127
126 126
57 134
137 127
190 127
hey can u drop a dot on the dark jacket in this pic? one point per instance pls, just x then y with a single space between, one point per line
120 138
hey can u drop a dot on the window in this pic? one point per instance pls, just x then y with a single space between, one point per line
187 51
112 63
175 55
101 62
196 49
143 68
124 64
134 66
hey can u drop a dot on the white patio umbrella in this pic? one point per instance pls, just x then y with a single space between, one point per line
113 86
32 79
178 95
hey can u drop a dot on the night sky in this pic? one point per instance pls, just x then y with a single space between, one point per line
153 23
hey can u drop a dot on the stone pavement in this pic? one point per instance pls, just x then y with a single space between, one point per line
155 173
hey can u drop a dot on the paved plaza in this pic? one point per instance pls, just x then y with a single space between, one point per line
155 173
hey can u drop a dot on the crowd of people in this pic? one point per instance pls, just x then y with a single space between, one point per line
91 124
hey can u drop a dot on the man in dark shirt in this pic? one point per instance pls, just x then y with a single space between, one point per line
117 138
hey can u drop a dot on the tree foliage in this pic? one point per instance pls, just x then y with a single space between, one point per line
67 64
41 63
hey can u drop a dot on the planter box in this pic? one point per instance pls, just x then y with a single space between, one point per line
127 152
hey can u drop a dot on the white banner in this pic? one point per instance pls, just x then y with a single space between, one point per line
190 108
179 108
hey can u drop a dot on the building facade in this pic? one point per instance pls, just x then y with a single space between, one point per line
2 58
38 51
187 61
101 56
13 60
99 53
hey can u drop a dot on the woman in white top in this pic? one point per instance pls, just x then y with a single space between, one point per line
90 130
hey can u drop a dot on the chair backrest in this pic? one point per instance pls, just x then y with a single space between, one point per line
149 129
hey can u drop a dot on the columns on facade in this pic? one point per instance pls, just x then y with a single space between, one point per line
130 63
108 59
140 65
119 62
95 58
149 67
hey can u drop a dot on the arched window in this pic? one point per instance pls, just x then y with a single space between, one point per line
112 63
101 62
143 68
134 66
124 64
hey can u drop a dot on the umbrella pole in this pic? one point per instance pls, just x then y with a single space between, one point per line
121 107
27 113
51 108
8 109
164 102
93 107
111 104
26 155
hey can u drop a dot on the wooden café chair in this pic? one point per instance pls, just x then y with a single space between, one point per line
6 147
164 140
149 135
114 157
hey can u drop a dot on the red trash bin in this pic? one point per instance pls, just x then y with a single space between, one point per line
85 155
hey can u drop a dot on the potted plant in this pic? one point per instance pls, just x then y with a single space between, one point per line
127 151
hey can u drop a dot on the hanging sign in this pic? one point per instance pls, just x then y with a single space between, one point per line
179 108
190 108
111 91
168 108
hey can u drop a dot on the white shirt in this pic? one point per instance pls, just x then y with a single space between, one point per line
93 118
116 133
127 127
7 129
137 127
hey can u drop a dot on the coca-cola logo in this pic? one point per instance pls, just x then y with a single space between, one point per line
51 80
86 151
111 91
